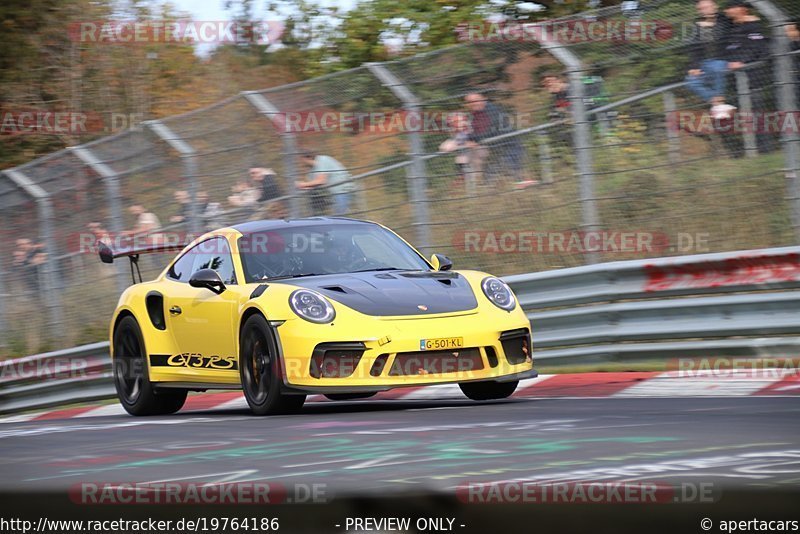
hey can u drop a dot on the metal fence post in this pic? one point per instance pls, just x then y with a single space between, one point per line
111 181
290 151
416 172
582 138
545 158
52 286
746 107
786 86
189 167
673 138
5 296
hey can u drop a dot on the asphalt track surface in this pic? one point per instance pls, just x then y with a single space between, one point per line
383 447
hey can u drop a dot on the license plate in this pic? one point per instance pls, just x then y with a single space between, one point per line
441 343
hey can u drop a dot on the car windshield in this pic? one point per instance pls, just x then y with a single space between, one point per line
295 252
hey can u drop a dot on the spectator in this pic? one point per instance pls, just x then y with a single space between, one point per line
271 192
469 155
793 33
326 177
559 94
145 221
183 200
99 233
747 43
488 120
245 194
707 64
27 258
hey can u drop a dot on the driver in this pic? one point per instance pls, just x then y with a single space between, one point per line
341 253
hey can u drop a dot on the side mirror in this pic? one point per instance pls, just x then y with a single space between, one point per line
441 262
209 279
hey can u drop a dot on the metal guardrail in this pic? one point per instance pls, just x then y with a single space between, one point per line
736 303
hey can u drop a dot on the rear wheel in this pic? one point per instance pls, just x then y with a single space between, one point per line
135 391
350 396
260 371
480 391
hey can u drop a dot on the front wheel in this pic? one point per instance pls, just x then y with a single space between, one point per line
260 371
481 391
131 380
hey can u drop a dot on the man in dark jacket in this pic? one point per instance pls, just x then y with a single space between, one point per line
489 120
748 43
708 65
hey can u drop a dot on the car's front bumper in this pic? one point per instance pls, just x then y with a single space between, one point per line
385 339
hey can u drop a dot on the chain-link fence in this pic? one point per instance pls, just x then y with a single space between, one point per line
566 143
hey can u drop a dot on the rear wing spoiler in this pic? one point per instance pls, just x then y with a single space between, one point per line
108 255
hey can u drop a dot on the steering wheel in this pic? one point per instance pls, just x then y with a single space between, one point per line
363 264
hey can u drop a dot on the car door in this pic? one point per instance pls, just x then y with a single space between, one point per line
202 322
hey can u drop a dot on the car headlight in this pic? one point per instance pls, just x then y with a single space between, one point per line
311 306
499 293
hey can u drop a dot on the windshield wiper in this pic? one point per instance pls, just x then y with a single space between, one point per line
380 269
288 276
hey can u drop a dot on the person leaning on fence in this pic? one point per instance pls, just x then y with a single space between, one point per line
793 33
489 120
746 43
273 206
469 155
245 193
707 63
327 180
182 198
26 259
559 110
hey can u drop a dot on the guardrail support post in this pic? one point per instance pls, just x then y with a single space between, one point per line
290 150
111 181
52 286
416 172
582 138
187 154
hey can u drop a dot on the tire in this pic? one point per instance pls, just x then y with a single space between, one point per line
260 370
132 381
350 396
481 391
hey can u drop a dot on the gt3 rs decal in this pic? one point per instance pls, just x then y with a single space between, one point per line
195 361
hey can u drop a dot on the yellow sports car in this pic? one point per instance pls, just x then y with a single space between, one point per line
284 308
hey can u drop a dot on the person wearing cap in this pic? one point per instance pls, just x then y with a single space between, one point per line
707 64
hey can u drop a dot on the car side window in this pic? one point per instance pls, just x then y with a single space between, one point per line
181 270
213 253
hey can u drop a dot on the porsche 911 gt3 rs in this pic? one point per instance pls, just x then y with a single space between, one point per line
285 308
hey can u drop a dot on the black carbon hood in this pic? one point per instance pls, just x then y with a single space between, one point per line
396 292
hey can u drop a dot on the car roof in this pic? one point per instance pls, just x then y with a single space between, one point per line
253 227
